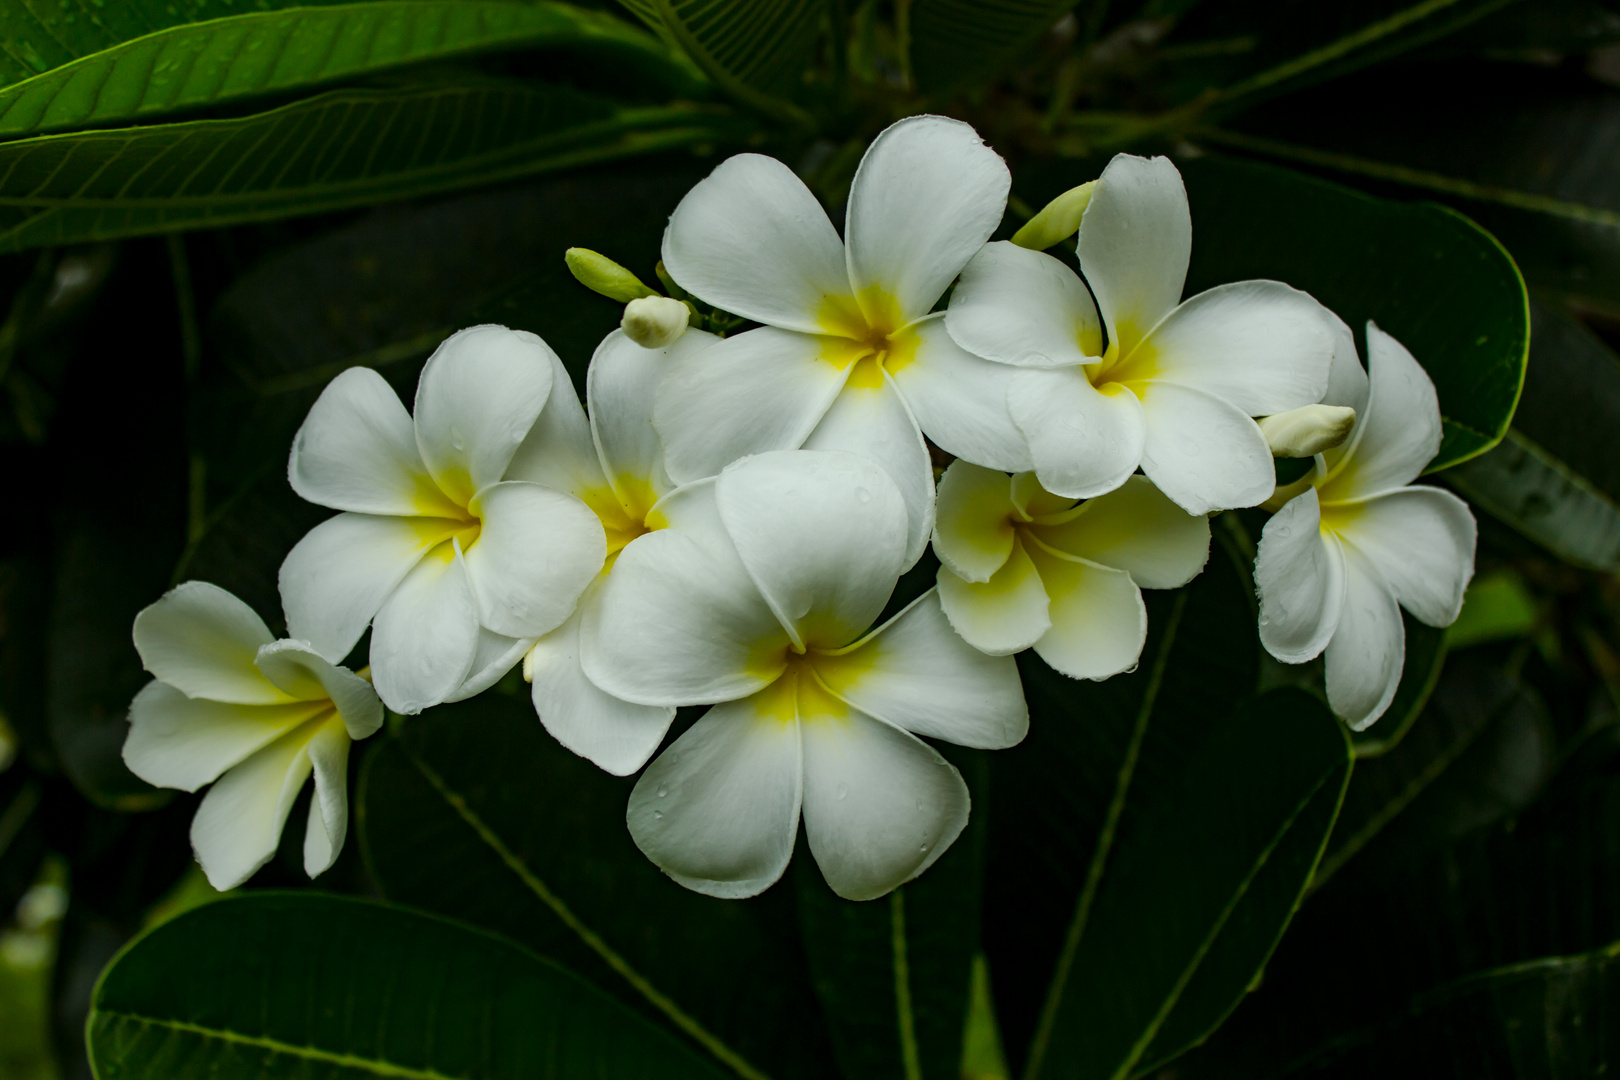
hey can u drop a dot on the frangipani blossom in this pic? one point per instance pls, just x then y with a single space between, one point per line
613 463
1177 383
849 357
233 707
1339 560
1024 568
757 596
456 570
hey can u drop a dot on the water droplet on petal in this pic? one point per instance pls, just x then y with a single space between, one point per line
663 789
842 792
919 804
658 815
457 439
863 495
923 849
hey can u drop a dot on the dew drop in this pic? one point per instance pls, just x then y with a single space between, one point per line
457 440
919 804
663 790
923 849
842 792
863 495
658 815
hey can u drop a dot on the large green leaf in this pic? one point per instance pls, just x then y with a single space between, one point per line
756 50
894 975
338 149
957 42
1427 275
1553 1018
1551 479
289 985
1525 151
474 811
267 52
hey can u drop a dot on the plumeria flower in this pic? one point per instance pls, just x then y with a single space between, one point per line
1356 544
456 570
612 462
1021 567
849 357
1155 383
233 707
757 596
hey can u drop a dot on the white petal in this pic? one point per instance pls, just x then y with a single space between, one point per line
1004 615
823 535
1368 649
1098 619
1397 434
1135 240
239 823
1204 453
1299 574
1137 529
763 390
426 635
297 668
679 621
479 394
1016 306
537 551
201 640
495 655
180 742
926 196
751 239
357 451
1083 443
621 385
1421 540
873 422
914 672
336 577
880 805
1259 345
558 452
329 809
719 810
960 400
973 532
612 734
1347 379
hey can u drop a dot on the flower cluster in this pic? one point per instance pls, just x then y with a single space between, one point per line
728 519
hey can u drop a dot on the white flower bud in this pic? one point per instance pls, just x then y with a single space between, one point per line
655 321
1057 221
1307 431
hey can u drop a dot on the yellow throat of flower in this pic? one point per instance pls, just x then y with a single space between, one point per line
866 332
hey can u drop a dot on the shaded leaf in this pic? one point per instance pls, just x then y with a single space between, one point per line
958 42
303 985
259 53
22 838
338 149
474 811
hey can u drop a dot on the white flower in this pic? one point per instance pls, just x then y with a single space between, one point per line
849 357
757 596
456 571
1177 384
614 463
1024 568
1336 560
253 716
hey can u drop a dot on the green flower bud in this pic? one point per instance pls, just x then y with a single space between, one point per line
1057 221
601 274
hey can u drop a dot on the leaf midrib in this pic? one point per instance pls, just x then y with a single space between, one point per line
590 938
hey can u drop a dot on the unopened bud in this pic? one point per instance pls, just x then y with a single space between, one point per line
1307 431
1057 221
655 321
601 274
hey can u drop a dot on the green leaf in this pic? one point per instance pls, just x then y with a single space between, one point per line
204 64
338 149
755 51
1497 607
1097 758
1554 1017
1198 896
22 835
1427 275
894 975
298 985
474 811
1552 480
1521 149
955 43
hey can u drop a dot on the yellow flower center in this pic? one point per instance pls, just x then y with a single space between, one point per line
866 333
626 512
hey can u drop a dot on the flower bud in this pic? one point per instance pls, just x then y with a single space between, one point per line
1058 219
601 274
655 321
1307 431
